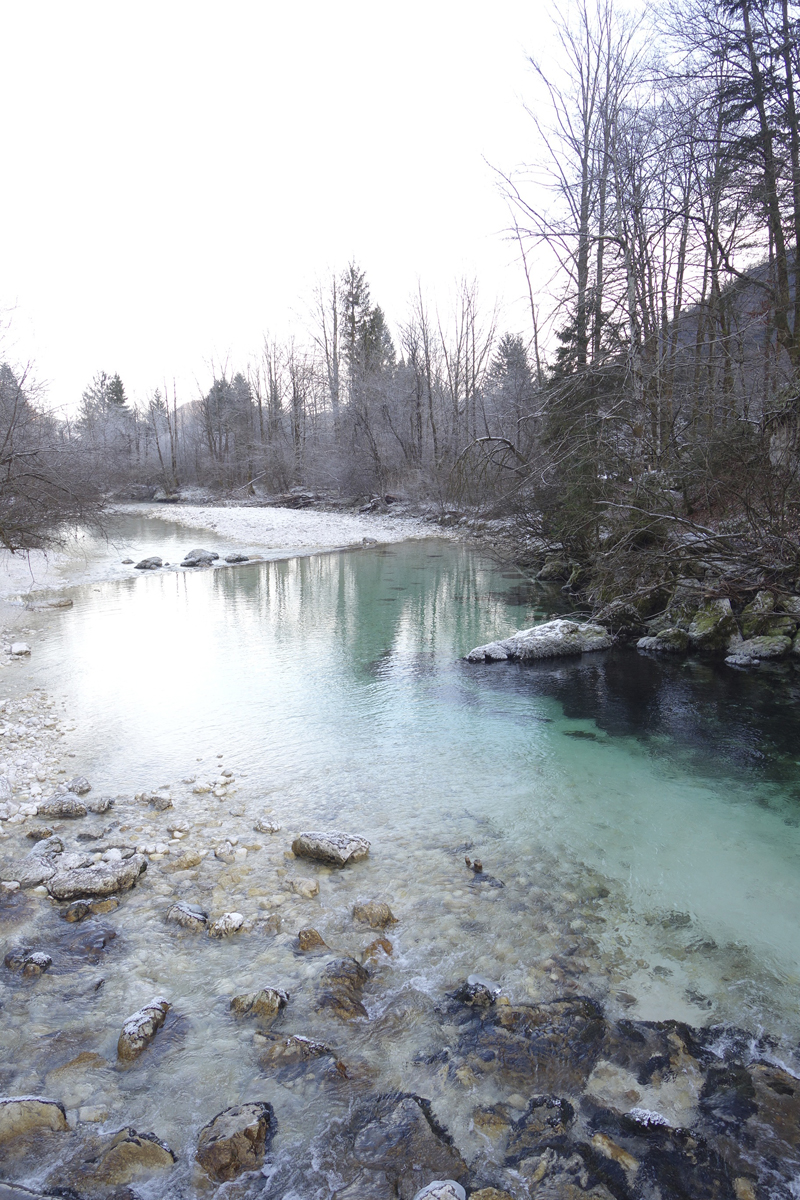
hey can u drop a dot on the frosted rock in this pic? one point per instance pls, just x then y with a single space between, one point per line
335 848
100 879
140 1028
28 963
19 649
442 1189
227 924
552 639
22 1114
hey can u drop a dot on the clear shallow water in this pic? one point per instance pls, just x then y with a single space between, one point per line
334 688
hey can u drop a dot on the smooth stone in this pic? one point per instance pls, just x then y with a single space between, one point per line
551 639
149 564
236 1140
141 1027
375 914
87 907
23 1114
334 848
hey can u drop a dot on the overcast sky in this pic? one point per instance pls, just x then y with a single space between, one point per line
177 175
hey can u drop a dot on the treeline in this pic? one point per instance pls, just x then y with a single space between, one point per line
347 410
646 424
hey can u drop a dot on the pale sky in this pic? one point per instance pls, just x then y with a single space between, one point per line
177 175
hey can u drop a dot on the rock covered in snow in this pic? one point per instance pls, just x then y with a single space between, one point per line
228 923
20 649
442 1189
552 639
334 848
141 1027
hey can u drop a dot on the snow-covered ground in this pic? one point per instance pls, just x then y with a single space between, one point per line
289 529
269 533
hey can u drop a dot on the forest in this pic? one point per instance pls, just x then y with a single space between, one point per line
642 427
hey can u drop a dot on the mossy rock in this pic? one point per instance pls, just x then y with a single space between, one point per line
763 647
554 569
712 626
755 615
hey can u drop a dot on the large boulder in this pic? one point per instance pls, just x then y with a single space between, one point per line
26 1114
99 879
335 848
140 1029
110 1161
712 626
236 1140
149 564
199 558
552 639
758 648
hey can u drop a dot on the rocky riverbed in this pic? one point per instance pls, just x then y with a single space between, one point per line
181 945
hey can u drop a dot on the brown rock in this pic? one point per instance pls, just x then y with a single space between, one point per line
236 1140
490 1194
91 907
342 984
374 914
265 1004
140 1029
309 939
115 1160
25 1114
375 949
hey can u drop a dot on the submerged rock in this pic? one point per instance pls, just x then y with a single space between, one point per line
393 1144
552 639
236 1140
80 909
188 916
375 914
334 848
25 1114
307 888
140 1029
99 879
265 1004
149 564
103 1162
341 987
291 1055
